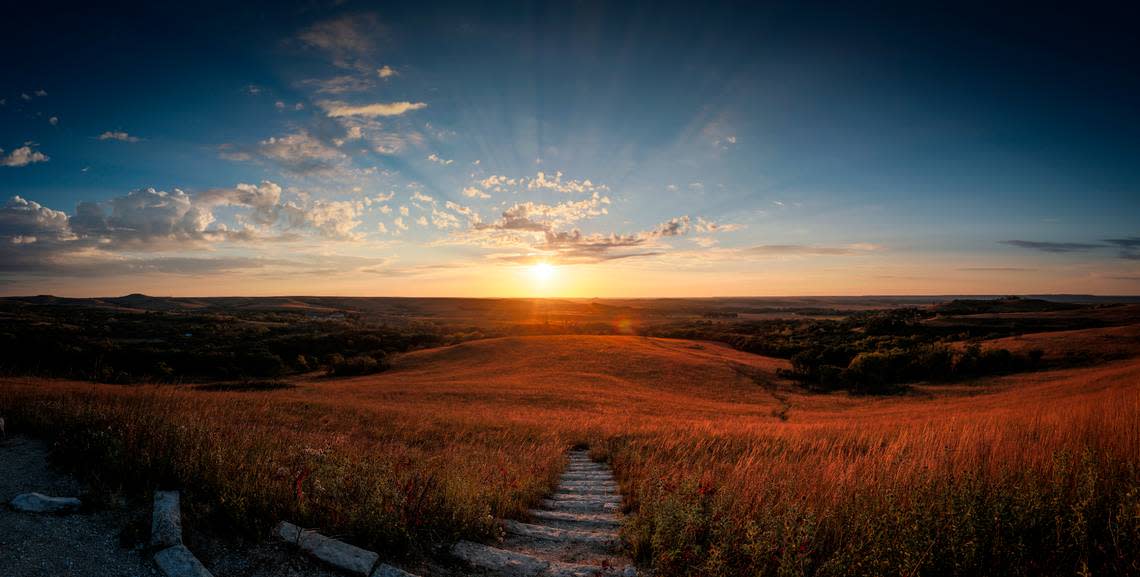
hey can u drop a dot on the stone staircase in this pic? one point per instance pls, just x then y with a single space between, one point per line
573 534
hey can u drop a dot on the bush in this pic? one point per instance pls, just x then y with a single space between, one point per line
357 365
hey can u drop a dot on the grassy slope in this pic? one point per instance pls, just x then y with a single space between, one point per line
1027 474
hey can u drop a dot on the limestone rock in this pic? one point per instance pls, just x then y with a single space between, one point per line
38 503
178 561
166 520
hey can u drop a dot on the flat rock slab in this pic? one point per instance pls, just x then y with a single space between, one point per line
581 506
385 570
604 538
339 554
576 520
579 497
38 503
515 564
166 519
178 561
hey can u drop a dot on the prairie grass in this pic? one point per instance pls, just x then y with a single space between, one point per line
1029 475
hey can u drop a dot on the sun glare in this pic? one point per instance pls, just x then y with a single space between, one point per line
542 271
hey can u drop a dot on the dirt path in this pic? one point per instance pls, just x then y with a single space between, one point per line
574 534
77 544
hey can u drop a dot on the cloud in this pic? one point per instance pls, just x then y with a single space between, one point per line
343 84
436 159
22 218
22 156
118 135
386 72
1052 247
337 109
54 121
334 219
301 153
349 39
472 192
1129 247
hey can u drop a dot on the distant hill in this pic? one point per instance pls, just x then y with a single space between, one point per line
1003 305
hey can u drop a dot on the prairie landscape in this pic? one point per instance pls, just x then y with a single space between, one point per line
537 288
726 462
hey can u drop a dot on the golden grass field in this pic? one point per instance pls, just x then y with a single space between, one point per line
726 469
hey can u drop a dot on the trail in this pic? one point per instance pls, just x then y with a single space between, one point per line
573 534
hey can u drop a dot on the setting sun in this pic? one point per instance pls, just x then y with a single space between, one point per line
542 271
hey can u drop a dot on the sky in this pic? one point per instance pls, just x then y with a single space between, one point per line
572 148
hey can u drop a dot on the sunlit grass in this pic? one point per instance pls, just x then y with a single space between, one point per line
1036 476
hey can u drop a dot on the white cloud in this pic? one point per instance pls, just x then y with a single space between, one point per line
399 222
472 192
301 153
337 109
383 228
335 219
436 159
54 121
22 156
386 72
418 196
118 135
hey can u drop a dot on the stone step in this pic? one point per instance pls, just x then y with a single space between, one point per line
580 506
577 497
605 538
604 476
586 490
514 564
595 484
587 469
582 521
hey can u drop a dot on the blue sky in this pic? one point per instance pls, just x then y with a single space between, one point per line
642 149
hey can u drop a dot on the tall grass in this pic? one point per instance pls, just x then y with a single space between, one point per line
1038 476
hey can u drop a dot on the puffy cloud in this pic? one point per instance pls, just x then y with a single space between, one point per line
708 226
539 216
386 72
301 153
22 156
335 219
28 219
337 109
542 181
436 159
264 199
54 121
118 135
418 196
678 226
472 192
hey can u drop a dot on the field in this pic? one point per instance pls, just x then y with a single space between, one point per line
726 467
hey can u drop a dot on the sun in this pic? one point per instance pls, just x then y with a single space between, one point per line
542 271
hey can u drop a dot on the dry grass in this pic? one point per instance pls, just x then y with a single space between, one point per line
1034 474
